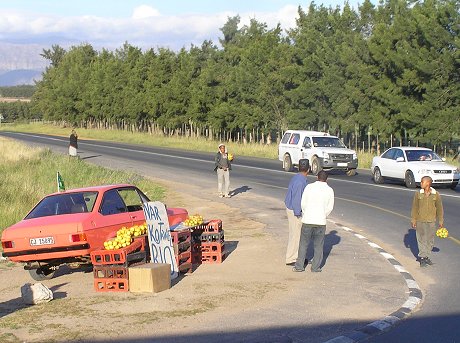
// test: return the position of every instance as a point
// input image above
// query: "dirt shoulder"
(253, 294)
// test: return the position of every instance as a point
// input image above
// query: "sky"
(143, 23)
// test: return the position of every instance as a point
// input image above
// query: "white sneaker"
(227, 195)
(221, 195)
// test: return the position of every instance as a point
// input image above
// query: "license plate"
(341, 164)
(41, 241)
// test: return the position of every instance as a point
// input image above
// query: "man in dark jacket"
(73, 145)
(223, 165)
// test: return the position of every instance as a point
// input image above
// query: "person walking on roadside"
(426, 210)
(294, 211)
(223, 165)
(73, 144)
(317, 203)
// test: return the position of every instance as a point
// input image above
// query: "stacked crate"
(110, 267)
(182, 244)
(208, 242)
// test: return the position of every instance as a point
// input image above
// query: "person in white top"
(317, 203)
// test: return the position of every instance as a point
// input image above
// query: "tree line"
(21, 91)
(14, 102)
(381, 73)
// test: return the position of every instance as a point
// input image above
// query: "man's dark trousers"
(316, 233)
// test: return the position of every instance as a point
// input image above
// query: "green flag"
(60, 183)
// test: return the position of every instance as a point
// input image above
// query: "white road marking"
(412, 284)
(400, 269)
(380, 324)
(385, 323)
(374, 245)
(387, 255)
(391, 319)
(411, 303)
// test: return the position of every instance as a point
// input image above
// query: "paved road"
(382, 211)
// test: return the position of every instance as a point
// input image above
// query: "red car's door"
(134, 200)
(110, 217)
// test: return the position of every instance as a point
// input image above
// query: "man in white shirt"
(317, 203)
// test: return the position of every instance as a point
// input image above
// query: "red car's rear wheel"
(41, 274)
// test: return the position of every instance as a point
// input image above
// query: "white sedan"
(410, 164)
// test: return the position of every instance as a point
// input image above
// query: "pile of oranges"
(194, 220)
(125, 237)
(442, 232)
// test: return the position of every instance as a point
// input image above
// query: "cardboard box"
(150, 277)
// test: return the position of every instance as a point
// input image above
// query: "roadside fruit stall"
(123, 263)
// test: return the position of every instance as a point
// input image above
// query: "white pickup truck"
(321, 149)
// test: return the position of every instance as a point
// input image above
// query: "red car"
(63, 228)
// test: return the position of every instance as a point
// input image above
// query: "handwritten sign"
(160, 242)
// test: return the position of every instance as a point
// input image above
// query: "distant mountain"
(20, 77)
(21, 56)
(21, 64)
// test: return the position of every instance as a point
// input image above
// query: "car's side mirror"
(400, 159)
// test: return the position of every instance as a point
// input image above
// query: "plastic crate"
(182, 247)
(186, 268)
(214, 225)
(217, 248)
(144, 240)
(181, 236)
(131, 253)
(196, 236)
(110, 272)
(111, 285)
(196, 257)
(208, 237)
(210, 258)
(196, 247)
(185, 257)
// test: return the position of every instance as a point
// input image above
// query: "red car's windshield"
(66, 203)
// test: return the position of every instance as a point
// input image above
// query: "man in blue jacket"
(294, 210)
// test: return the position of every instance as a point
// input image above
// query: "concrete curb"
(384, 324)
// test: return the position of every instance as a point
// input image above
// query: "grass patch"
(69, 336)
(453, 161)
(7, 265)
(365, 160)
(9, 338)
(105, 298)
(186, 143)
(152, 316)
(54, 326)
(59, 308)
(28, 174)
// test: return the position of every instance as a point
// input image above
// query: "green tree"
(54, 55)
